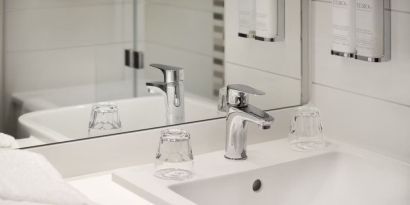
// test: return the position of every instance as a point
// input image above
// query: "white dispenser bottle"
(266, 20)
(246, 12)
(370, 30)
(343, 28)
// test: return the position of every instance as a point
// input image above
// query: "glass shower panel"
(64, 53)
(138, 46)
(113, 79)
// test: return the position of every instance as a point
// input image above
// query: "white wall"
(274, 68)
(367, 104)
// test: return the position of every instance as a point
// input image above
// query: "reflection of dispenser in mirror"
(172, 88)
(343, 28)
(246, 18)
(270, 20)
(373, 30)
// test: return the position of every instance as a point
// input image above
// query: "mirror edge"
(306, 80)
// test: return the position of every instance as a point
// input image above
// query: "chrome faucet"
(234, 99)
(172, 88)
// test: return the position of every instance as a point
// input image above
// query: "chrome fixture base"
(247, 35)
(242, 157)
(259, 38)
(369, 59)
(342, 54)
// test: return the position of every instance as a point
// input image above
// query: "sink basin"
(333, 178)
(70, 123)
(274, 174)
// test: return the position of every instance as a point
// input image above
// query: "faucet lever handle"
(236, 95)
(240, 88)
(171, 73)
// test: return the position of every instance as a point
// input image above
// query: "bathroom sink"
(274, 174)
(333, 178)
(67, 123)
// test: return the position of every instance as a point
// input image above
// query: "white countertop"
(103, 191)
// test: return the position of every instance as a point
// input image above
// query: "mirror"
(65, 68)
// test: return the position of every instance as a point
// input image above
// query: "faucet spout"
(172, 89)
(157, 87)
(237, 127)
(257, 116)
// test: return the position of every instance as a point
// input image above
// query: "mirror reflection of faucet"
(234, 99)
(172, 88)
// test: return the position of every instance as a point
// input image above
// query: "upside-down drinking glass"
(306, 129)
(104, 119)
(174, 159)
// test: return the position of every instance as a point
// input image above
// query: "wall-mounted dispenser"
(361, 29)
(263, 20)
(373, 30)
(343, 28)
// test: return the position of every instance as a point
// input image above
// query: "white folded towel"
(28, 177)
(7, 142)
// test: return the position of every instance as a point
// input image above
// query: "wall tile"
(64, 27)
(373, 124)
(400, 5)
(203, 5)
(179, 28)
(128, 21)
(109, 63)
(27, 71)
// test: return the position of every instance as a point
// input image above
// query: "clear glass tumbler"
(306, 131)
(104, 119)
(174, 159)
